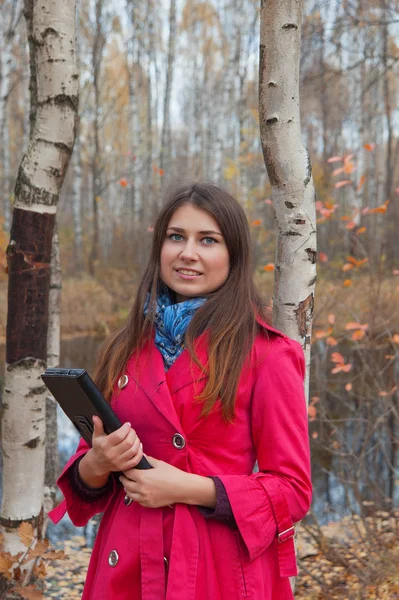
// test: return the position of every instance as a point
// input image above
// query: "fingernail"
(129, 423)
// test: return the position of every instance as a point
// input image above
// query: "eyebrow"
(205, 232)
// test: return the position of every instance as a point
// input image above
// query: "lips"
(190, 272)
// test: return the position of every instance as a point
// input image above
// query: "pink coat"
(206, 559)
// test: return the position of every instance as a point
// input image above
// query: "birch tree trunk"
(10, 15)
(164, 160)
(289, 170)
(40, 178)
(53, 360)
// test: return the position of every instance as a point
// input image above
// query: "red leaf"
(342, 183)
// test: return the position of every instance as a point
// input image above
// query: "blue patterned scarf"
(171, 323)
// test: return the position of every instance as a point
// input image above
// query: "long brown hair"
(229, 315)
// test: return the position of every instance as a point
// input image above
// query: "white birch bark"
(39, 181)
(164, 160)
(289, 170)
(53, 360)
(6, 33)
(76, 202)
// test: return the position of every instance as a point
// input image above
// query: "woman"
(207, 388)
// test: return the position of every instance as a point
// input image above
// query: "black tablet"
(80, 399)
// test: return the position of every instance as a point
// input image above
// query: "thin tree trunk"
(96, 161)
(39, 181)
(289, 170)
(53, 360)
(164, 160)
(77, 204)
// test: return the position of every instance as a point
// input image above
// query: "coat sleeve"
(80, 511)
(266, 504)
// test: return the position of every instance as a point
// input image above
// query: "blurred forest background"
(169, 91)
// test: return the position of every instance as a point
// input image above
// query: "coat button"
(123, 381)
(113, 558)
(178, 441)
(165, 560)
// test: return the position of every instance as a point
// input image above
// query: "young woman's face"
(194, 256)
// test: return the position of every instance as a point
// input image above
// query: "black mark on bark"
(289, 204)
(290, 26)
(33, 443)
(304, 314)
(312, 254)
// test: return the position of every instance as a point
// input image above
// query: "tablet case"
(80, 399)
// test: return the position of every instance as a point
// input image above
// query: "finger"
(116, 437)
(128, 484)
(131, 441)
(134, 461)
(131, 452)
(98, 427)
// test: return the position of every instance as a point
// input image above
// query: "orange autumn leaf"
(6, 563)
(347, 267)
(342, 183)
(331, 319)
(361, 183)
(348, 387)
(323, 257)
(349, 167)
(315, 435)
(352, 260)
(331, 341)
(256, 222)
(346, 368)
(347, 282)
(26, 533)
(345, 218)
(336, 357)
(334, 159)
(351, 225)
(380, 209)
(312, 412)
(338, 171)
(269, 267)
(395, 338)
(161, 172)
(358, 335)
(123, 182)
(361, 230)
(268, 201)
(348, 158)
(354, 325)
(369, 147)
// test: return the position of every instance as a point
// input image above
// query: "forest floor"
(348, 560)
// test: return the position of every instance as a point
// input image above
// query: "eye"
(175, 237)
(209, 241)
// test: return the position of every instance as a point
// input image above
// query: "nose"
(188, 252)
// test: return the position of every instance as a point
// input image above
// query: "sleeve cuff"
(222, 511)
(88, 494)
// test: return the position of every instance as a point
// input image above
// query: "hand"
(162, 485)
(120, 450)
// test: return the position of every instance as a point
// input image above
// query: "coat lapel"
(147, 370)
